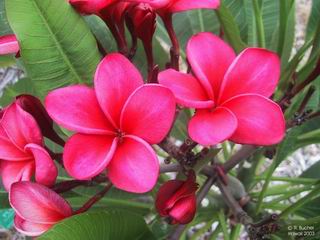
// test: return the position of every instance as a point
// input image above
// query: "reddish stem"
(93, 200)
(175, 49)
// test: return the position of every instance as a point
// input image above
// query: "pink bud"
(9, 45)
(143, 20)
(176, 199)
(34, 106)
(37, 208)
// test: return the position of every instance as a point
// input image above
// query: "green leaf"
(24, 85)
(230, 28)
(6, 218)
(57, 47)
(313, 19)
(288, 146)
(106, 225)
(312, 171)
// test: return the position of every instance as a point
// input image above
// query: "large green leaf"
(106, 225)
(57, 47)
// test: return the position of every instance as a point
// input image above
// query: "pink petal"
(20, 126)
(29, 228)
(209, 57)
(135, 166)
(187, 90)
(38, 204)
(156, 4)
(46, 170)
(76, 108)
(255, 71)
(12, 172)
(149, 113)
(90, 6)
(9, 45)
(184, 210)
(85, 156)
(116, 78)
(260, 120)
(9, 151)
(210, 128)
(184, 5)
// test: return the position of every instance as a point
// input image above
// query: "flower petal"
(115, 79)
(29, 228)
(135, 166)
(164, 194)
(90, 6)
(12, 172)
(260, 120)
(149, 113)
(184, 210)
(184, 5)
(38, 204)
(76, 108)
(85, 156)
(20, 126)
(209, 57)
(210, 128)
(187, 90)
(9, 45)
(9, 151)
(255, 71)
(46, 170)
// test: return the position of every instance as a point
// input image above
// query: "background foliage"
(58, 48)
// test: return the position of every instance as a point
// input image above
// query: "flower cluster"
(115, 123)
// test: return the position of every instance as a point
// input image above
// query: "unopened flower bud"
(176, 199)
(34, 106)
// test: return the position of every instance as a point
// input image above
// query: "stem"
(306, 99)
(239, 156)
(66, 186)
(234, 206)
(93, 200)
(175, 49)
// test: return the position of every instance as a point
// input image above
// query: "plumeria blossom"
(115, 123)
(37, 208)
(90, 6)
(176, 199)
(22, 151)
(173, 6)
(231, 94)
(9, 45)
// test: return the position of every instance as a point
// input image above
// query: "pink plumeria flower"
(231, 94)
(173, 6)
(90, 6)
(37, 208)
(22, 150)
(115, 123)
(9, 45)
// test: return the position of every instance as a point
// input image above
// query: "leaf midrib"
(57, 43)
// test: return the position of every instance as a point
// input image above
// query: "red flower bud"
(143, 20)
(176, 199)
(34, 106)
